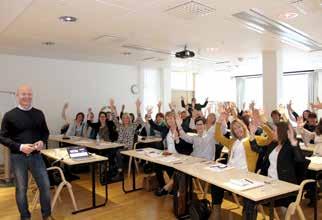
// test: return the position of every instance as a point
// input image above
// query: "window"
(249, 89)
(151, 93)
(295, 87)
(182, 81)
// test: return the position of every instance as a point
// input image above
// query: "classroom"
(160, 109)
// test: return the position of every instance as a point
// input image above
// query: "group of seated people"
(254, 143)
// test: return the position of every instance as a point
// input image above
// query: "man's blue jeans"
(35, 164)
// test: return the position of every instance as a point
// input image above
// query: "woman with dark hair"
(77, 127)
(103, 129)
(172, 144)
(308, 136)
(284, 159)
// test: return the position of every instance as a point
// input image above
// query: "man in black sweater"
(24, 131)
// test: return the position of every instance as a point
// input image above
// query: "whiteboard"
(7, 102)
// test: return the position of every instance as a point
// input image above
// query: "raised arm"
(182, 133)
(139, 119)
(205, 103)
(114, 114)
(159, 106)
(219, 137)
(306, 135)
(183, 105)
(63, 113)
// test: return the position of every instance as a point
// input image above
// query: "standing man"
(24, 131)
(193, 105)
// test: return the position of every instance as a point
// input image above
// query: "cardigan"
(251, 156)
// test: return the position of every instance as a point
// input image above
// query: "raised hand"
(178, 121)
(290, 135)
(66, 104)
(222, 118)
(123, 107)
(289, 105)
(252, 128)
(300, 122)
(138, 103)
(159, 104)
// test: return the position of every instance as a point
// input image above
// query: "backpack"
(200, 209)
(180, 198)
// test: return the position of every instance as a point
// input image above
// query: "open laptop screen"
(77, 152)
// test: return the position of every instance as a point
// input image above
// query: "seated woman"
(308, 136)
(204, 144)
(77, 127)
(241, 156)
(173, 144)
(284, 159)
(103, 129)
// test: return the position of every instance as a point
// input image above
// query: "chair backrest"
(293, 206)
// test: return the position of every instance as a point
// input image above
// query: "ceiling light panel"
(282, 30)
(190, 10)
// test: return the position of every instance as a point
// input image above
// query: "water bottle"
(97, 138)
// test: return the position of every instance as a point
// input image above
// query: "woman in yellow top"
(241, 155)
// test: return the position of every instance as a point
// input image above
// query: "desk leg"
(316, 196)
(133, 179)
(94, 206)
(271, 210)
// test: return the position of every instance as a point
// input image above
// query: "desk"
(86, 142)
(148, 139)
(309, 147)
(315, 166)
(62, 155)
(195, 167)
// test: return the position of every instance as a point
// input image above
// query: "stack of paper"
(243, 184)
(315, 159)
(218, 167)
(169, 159)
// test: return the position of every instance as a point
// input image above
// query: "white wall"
(82, 84)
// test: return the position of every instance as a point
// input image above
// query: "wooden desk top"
(196, 167)
(149, 139)
(86, 142)
(271, 188)
(61, 153)
(309, 147)
(316, 163)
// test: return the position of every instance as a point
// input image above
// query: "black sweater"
(23, 127)
(113, 135)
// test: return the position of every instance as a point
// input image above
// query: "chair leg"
(199, 186)
(59, 189)
(300, 213)
(71, 193)
(35, 201)
(129, 168)
(205, 191)
(59, 198)
(136, 166)
(236, 200)
(276, 215)
(261, 209)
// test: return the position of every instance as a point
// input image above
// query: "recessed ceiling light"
(68, 18)
(212, 49)
(288, 15)
(48, 43)
(126, 53)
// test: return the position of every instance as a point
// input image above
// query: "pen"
(249, 181)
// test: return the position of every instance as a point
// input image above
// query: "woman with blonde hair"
(241, 156)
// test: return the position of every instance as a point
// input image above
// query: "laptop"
(78, 153)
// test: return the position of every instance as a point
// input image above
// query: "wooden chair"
(293, 207)
(130, 163)
(58, 190)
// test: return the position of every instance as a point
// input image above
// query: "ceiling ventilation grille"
(190, 10)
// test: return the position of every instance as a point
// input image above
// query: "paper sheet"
(218, 168)
(315, 159)
(243, 184)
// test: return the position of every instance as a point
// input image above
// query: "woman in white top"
(308, 136)
(77, 127)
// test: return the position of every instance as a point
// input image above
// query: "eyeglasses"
(199, 124)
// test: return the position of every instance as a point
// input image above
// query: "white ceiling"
(25, 24)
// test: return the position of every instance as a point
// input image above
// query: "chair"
(294, 206)
(58, 190)
(130, 163)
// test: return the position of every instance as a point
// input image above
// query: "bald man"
(24, 131)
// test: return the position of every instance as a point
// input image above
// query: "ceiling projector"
(185, 54)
